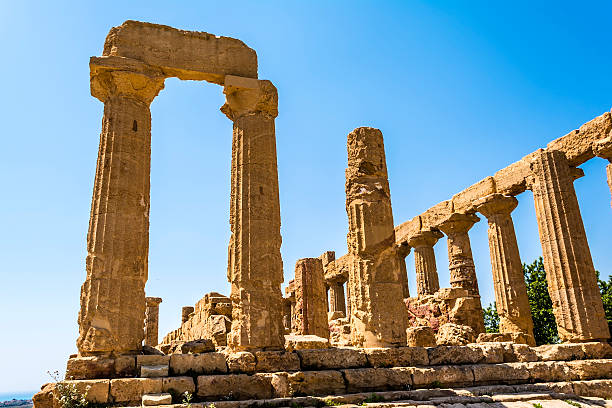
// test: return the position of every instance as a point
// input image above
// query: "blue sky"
(458, 91)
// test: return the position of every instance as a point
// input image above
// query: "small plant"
(187, 397)
(67, 394)
(537, 405)
(435, 384)
(211, 405)
(332, 403)
(574, 403)
(374, 398)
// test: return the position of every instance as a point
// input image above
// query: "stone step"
(149, 400)
(154, 371)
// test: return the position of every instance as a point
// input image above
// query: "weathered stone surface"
(443, 376)
(44, 398)
(151, 326)
(520, 338)
(272, 361)
(332, 358)
(193, 364)
(508, 278)
(234, 386)
(156, 399)
(131, 390)
(518, 353)
(590, 369)
(507, 373)
(425, 261)
(151, 360)
(241, 362)
(308, 342)
(81, 368)
(548, 371)
(600, 388)
(198, 346)
(397, 356)
(377, 379)
(420, 336)
(125, 366)
(147, 371)
(96, 391)
(178, 385)
(451, 334)
(378, 315)
(572, 283)
(257, 313)
(310, 310)
(472, 354)
(316, 383)
(185, 54)
(461, 263)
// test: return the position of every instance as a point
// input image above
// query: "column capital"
(137, 83)
(458, 223)
(425, 238)
(244, 96)
(603, 148)
(403, 249)
(495, 204)
(152, 301)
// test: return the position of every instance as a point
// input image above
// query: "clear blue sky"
(458, 92)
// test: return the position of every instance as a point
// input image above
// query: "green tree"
(491, 318)
(605, 287)
(544, 323)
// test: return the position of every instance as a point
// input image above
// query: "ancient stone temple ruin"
(349, 330)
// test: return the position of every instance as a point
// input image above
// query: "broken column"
(152, 321)
(185, 312)
(378, 313)
(508, 278)
(111, 318)
(255, 268)
(572, 282)
(427, 281)
(310, 303)
(461, 263)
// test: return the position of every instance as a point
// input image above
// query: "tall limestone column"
(152, 321)
(255, 268)
(570, 273)
(508, 278)
(461, 263)
(425, 261)
(310, 298)
(378, 313)
(111, 318)
(402, 252)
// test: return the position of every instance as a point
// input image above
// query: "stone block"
(518, 353)
(305, 342)
(125, 366)
(82, 368)
(332, 359)
(544, 371)
(451, 334)
(596, 350)
(396, 357)
(151, 371)
(560, 352)
(511, 179)
(596, 388)
(316, 383)
(234, 386)
(451, 293)
(420, 336)
(462, 201)
(45, 398)
(95, 391)
(241, 362)
(472, 354)
(178, 385)
(280, 384)
(151, 360)
(377, 379)
(198, 346)
(442, 376)
(194, 364)
(272, 361)
(131, 390)
(156, 399)
(590, 369)
(506, 373)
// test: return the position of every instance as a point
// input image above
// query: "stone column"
(287, 312)
(255, 268)
(310, 298)
(336, 298)
(571, 277)
(425, 261)
(402, 253)
(185, 312)
(378, 313)
(508, 278)
(461, 264)
(152, 321)
(111, 318)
